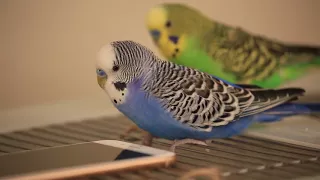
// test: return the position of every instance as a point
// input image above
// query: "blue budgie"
(179, 103)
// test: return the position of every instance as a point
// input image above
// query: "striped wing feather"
(203, 101)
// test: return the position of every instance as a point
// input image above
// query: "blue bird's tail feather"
(289, 109)
(313, 107)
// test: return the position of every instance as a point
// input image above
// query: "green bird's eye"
(168, 24)
(100, 72)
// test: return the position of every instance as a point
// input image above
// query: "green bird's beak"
(155, 34)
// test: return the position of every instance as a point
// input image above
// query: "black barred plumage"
(196, 98)
(193, 97)
(125, 53)
(252, 57)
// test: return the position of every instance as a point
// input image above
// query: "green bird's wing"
(256, 59)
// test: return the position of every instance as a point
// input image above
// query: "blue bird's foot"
(186, 141)
(146, 139)
(131, 129)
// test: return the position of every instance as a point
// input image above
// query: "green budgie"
(186, 36)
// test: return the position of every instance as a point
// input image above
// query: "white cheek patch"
(116, 95)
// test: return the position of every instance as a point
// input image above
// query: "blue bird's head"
(122, 62)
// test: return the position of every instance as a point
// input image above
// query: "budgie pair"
(183, 104)
(186, 36)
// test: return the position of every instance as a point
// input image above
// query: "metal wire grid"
(241, 157)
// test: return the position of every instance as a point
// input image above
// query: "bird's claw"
(127, 132)
(146, 139)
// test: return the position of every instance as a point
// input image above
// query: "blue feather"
(312, 107)
(148, 114)
(288, 109)
(279, 112)
(295, 109)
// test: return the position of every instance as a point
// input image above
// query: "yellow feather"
(156, 19)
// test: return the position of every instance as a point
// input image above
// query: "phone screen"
(62, 157)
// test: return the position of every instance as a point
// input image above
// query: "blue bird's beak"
(155, 34)
(101, 81)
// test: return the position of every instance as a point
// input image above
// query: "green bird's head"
(174, 27)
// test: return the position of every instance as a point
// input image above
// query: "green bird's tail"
(316, 61)
(300, 61)
(305, 50)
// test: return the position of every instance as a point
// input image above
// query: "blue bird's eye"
(100, 72)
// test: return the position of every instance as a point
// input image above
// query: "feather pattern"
(176, 102)
(203, 101)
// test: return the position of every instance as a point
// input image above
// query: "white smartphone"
(80, 159)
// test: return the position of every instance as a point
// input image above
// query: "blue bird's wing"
(147, 112)
(162, 119)
(203, 101)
